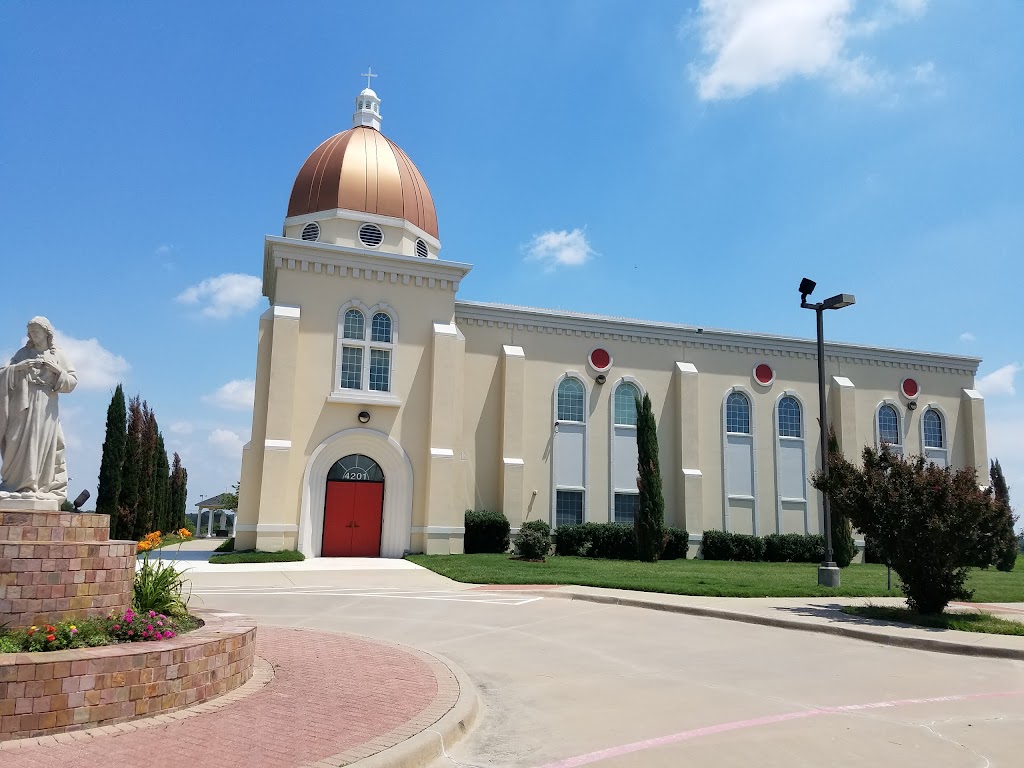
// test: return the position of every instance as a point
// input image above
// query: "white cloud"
(225, 295)
(227, 443)
(559, 249)
(237, 395)
(98, 368)
(1000, 381)
(752, 44)
(967, 337)
(181, 428)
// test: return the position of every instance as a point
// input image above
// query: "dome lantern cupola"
(367, 106)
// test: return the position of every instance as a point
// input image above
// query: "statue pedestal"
(15, 503)
(57, 566)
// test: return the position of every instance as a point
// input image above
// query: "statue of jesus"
(31, 440)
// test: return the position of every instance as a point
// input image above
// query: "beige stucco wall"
(472, 401)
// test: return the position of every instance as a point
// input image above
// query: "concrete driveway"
(567, 683)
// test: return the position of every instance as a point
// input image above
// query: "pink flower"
(149, 627)
(117, 627)
(152, 613)
(168, 634)
(130, 633)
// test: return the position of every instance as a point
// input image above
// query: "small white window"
(568, 507)
(365, 363)
(311, 231)
(571, 401)
(421, 249)
(626, 396)
(889, 426)
(933, 433)
(370, 235)
(626, 507)
(737, 414)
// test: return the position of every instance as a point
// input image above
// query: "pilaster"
(842, 408)
(445, 426)
(512, 470)
(690, 479)
(971, 431)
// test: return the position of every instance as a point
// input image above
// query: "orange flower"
(143, 546)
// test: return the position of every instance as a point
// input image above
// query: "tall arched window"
(569, 452)
(739, 504)
(625, 498)
(365, 363)
(790, 467)
(889, 428)
(934, 437)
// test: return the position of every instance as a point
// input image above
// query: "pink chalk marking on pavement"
(711, 730)
(990, 606)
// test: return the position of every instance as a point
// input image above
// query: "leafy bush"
(133, 626)
(676, 544)
(611, 541)
(540, 526)
(160, 587)
(931, 522)
(794, 548)
(747, 548)
(571, 540)
(486, 531)
(531, 544)
(226, 546)
(716, 545)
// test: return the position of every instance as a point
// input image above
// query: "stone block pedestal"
(57, 566)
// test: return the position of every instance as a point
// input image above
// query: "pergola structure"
(212, 506)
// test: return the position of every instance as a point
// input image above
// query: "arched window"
(626, 395)
(790, 420)
(354, 350)
(625, 498)
(571, 401)
(739, 513)
(933, 436)
(569, 452)
(737, 414)
(889, 427)
(790, 468)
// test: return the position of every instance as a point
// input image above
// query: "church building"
(386, 405)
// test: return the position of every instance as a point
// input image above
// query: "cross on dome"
(367, 105)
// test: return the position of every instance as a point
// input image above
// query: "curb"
(917, 643)
(432, 744)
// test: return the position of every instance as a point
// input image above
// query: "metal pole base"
(828, 575)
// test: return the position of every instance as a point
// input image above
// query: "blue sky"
(687, 162)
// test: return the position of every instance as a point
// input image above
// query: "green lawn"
(255, 556)
(700, 577)
(966, 622)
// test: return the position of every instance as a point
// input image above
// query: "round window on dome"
(311, 231)
(370, 235)
(421, 249)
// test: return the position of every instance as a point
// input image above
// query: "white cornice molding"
(373, 218)
(357, 263)
(549, 321)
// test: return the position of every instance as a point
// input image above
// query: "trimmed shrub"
(531, 544)
(746, 548)
(571, 540)
(716, 545)
(794, 548)
(676, 544)
(486, 531)
(226, 546)
(540, 526)
(611, 541)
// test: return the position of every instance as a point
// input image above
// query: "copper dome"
(361, 170)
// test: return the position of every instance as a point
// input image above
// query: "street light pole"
(828, 571)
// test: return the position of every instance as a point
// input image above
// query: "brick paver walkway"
(332, 696)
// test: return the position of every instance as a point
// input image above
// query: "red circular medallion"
(910, 388)
(600, 359)
(764, 374)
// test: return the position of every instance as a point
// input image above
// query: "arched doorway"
(353, 508)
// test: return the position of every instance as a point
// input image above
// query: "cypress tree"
(1006, 555)
(649, 525)
(178, 492)
(843, 547)
(112, 461)
(147, 462)
(161, 487)
(131, 471)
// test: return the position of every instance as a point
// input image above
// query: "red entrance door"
(352, 519)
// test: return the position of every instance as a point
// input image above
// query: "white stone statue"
(31, 440)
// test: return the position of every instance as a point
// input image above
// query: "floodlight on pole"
(828, 571)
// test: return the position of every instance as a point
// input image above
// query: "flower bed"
(53, 692)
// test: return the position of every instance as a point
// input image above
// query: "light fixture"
(601, 378)
(364, 416)
(828, 572)
(911, 405)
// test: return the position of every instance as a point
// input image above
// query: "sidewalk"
(817, 614)
(325, 699)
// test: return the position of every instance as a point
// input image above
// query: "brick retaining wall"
(59, 691)
(57, 566)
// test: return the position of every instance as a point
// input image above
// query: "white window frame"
(612, 490)
(753, 460)
(586, 443)
(945, 432)
(344, 393)
(779, 438)
(901, 420)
